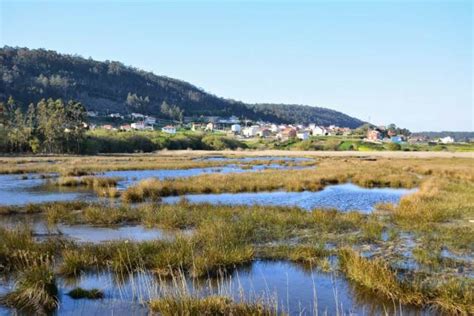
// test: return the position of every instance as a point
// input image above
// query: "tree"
(137, 103)
(74, 126)
(172, 111)
(18, 133)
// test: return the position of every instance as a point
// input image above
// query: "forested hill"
(106, 87)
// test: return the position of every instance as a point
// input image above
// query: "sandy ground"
(382, 154)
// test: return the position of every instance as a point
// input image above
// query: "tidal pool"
(344, 197)
(294, 289)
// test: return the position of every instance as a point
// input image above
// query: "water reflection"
(343, 197)
(286, 285)
(31, 188)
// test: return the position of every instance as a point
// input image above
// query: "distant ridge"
(455, 135)
(31, 74)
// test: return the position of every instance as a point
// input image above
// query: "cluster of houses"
(289, 131)
(247, 129)
(141, 121)
(267, 130)
(381, 134)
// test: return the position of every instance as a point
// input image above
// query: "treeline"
(53, 126)
(101, 141)
(50, 126)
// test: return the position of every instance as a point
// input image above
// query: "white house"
(169, 129)
(116, 115)
(92, 114)
(210, 127)
(446, 140)
(320, 131)
(137, 116)
(274, 128)
(303, 135)
(236, 128)
(138, 125)
(250, 131)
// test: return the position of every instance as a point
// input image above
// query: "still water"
(15, 190)
(291, 288)
(344, 197)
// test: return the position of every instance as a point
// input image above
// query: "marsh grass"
(40, 208)
(313, 256)
(377, 276)
(452, 296)
(74, 166)
(107, 192)
(225, 237)
(35, 291)
(19, 250)
(381, 174)
(211, 305)
(91, 182)
(146, 189)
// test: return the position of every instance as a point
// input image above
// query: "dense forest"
(31, 75)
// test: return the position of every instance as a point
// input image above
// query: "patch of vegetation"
(211, 305)
(364, 173)
(35, 292)
(92, 294)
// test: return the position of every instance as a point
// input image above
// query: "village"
(246, 129)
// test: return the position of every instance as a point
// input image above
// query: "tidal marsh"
(368, 250)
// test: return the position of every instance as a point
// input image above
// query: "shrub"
(393, 146)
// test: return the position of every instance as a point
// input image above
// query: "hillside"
(29, 75)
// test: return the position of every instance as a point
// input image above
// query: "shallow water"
(16, 191)
(293, 289)
(344, 197)
(88, 233)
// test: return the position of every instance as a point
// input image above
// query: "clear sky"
(406, 62)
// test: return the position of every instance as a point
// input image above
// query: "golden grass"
(452, 296)
(364, 173)
(35, 291)
(211, 305)
(377, 276)
(86, 165)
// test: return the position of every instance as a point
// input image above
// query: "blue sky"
(407, 62)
